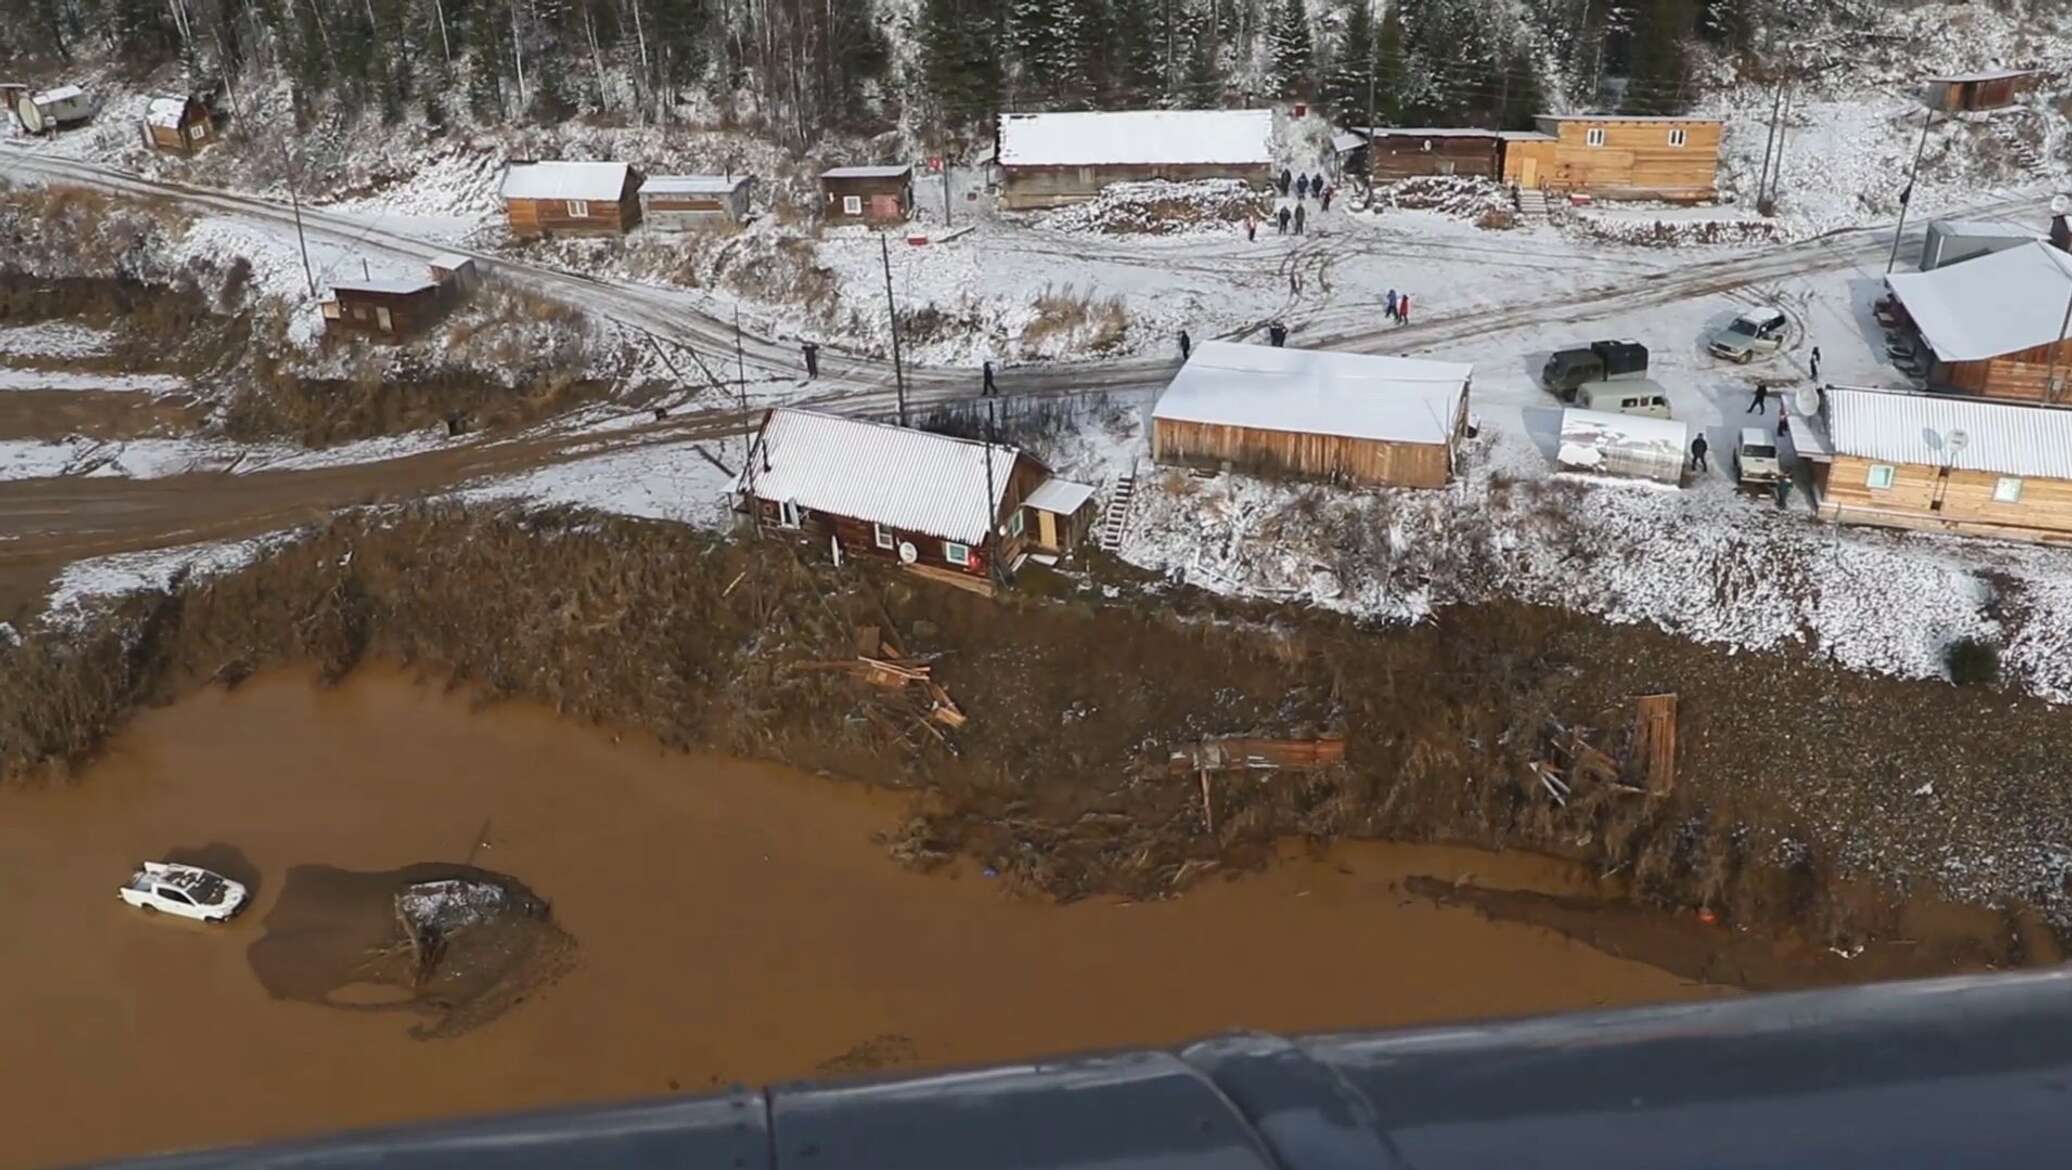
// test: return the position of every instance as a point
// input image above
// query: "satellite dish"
(1956, 441)
(1807, 399)
(908, 554)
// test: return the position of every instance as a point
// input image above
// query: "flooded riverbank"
(733, 922)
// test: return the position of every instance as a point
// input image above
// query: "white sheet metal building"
(1047, 160)
(1627, 446)
(1357, 418)
(679, 203)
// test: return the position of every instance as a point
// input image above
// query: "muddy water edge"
(732, 922)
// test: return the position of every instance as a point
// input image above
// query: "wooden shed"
(1357, 418)
(1992, 322)
(1403, 152)
(1992, 89)
(1932, 461)
(873, 195)
(1047, 160)
(571, 198)
(392, 309)
(679, 203)
(930, 502)
(1618, 156)
(1953, 241)
(180, 125)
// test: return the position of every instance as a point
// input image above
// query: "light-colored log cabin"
(571, 198)
(1617, 156)
(1992, 322)
(1355, 418)
(1048, 160)
(1943, 463)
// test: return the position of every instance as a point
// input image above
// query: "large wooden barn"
(918, 499)
(1403, 152)
(1617, 156)
(571, 198)
(1356, 418)
(1047, 160)
(1933, 461)
(1991, 89)
(1991, 322)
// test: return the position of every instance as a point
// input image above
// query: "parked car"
(1600, 361)
(1625, 396)
(1756, 333)
(1756, 460)
(186, 890)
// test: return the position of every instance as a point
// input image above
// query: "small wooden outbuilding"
(50, 110)
(1617, 156)
(393, 309)
(931, 502)
(1992, 89)
(571, 198)
(1403, 152)
(678, 203)
(1953, 241)
(872, 195)
(1321, 414)
(1934, 461)
(1992, 322)
(1048, 160)
(181, 125)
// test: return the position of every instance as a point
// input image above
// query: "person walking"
(1760, 403)
(1298, 219)
(1698, 448)
(1251, 229)
(1286, 179)
(1282, 215)
(1816, 363)
(1783, 423)
(1186, 346)
(812, 351)
(1389, 306)
(1325, 199)
(988, 390)
(1294, 282)
(1302, 188)
(1277, 334)
(1403, 309)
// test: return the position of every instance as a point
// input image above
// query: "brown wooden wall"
(408, 312)
(1402, 156)
(1636, 159)
(859, 538)
(1024, 188)
(879, 198)
(1513, 155)
(534, 217)
(1311, 456)
(2021, 376)
(1966, 497)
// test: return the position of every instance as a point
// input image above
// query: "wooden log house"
(935, 503)
(1355, 418)
(1402, 152)
(1993, 322)
(571, 198)
(393, 308)
(178, 125)
(1617, 156)
(1048, 160)
(1990, 89)
(869, 195)
(680, 203)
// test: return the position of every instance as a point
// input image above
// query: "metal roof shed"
(1361, 418)
(1999, 304)
(1595, 442)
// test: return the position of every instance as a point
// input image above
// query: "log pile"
(1569, 762)
(880, 663)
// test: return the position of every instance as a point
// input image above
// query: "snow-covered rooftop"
(892, 171)
(692, 184)
(1361, 396)
(1434, 132)
(1625, 430)
(1137, 137)
(908, 480)
(1988, 75)
(1991, 305)
(1968, 434)
(450, 261)
(1683, 118)
(1345, 142)
(165, 111)
(1062, 496)
(1983, 227)
(602, 182)
(399, 285)
(63, 93)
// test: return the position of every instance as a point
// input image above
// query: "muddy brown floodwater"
(732, 922)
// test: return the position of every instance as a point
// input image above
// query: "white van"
(1624, 396)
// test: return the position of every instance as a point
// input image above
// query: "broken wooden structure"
(1246, 753)
(1569, 762)
(880, 663)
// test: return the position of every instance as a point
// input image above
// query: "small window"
(198, 131)
(956, 554)
(174, 896)
(1594, 136)
(1881, 476)
(881, 536)
(852, 205)
(788, 514)
(1678, 137)
(2007, 490)
(1015, 523)
(578, 209)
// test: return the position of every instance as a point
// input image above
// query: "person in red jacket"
(1403, 309)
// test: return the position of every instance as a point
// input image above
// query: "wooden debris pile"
(1245, 753)
(1568, 762)
(880, 662)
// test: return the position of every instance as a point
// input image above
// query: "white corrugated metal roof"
(2004, 438)
(165, 111)
(450, 261)
(601, 182)
(407, 284)
(905, 479)
(1345, 142)
(1434, 132)
(885, 172)
(691, 184)
(1988, 75)
(1138, 137)
(1683, 118)
(1587, 433)
(1991, 228)
(1991, 305)
(1062, 496)
(1314, 391)
(63, 93)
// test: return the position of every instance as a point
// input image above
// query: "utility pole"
(1783, 129)
(892, 319)
(740, 369)
(991, 545)
(1762, 180)
(2050, 380)
(295, 201)
(1906, 196)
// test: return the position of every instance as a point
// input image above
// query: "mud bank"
(737, 921)
(1797, 808)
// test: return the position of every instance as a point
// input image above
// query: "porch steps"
(1531, 201)
(1115, 518)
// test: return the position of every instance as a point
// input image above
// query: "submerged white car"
(186, 890)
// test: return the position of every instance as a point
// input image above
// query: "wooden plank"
(1654, 740)
(980, 585)
(868, 641)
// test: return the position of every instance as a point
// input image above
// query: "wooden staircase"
(1531, 201)
(1115, 518)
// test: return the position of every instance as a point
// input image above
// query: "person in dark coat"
(1816, 363)
(1302, 187)
(1298, 219)
(1294, 283)
(1186, 346)
(1277, 334)
(1760, 403)
(1282, 215)
(812, 352)
(1388, 307)
(1324, 200)
(1698, 447)
(1286, 179)
(989, 389)
(1251, 229)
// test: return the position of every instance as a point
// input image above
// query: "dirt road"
(732, 922)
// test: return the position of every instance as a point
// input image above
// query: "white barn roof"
(165, 111)
(2004, 438)
(1589, 436)
(692, 184)
(601, 182)
(905, 479)
(63, 93)
(2001, 303)
(1988, 75)
(1061, 496)
(401, 285)
(892, 171)
(1314, 391)
(1137, 137)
